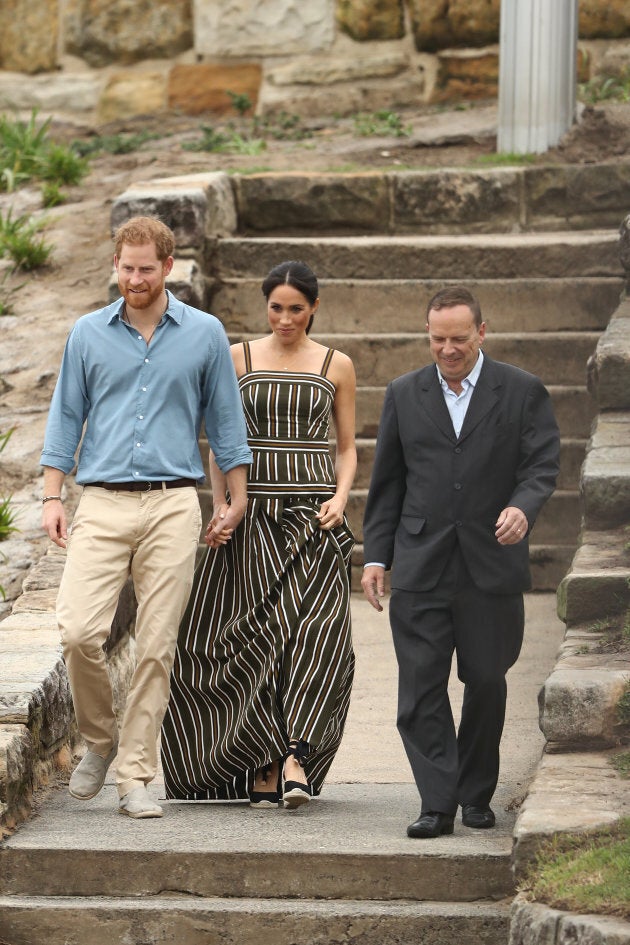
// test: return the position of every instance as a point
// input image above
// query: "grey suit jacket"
(431, 489)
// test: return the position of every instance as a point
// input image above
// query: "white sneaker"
(138, 804)
(89, 775)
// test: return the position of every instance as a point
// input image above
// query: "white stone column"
(537, 73)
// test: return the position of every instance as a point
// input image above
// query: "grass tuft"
(621, 763)
(27, 153)
(19, 240)
(585, 873)
(380, 124)
(606, 88)
(7, 514)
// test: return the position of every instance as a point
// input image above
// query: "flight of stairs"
(545, 297)
(339, 873)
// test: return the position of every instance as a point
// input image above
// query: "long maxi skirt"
(264, 654)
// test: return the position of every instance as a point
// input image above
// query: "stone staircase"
(210, 873)
(538, 245)
(545, 297)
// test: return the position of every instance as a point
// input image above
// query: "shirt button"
(140, 417)
(146, 360)
(144, 388)
(138, 444)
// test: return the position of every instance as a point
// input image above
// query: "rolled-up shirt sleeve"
(224, 419)
(68, 409)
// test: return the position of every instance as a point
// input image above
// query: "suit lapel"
(484, 398)
(432, 402)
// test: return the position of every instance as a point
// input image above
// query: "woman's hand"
(331, 512)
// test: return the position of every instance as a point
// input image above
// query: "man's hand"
(54, 522)
(511, 526)
(373, 584)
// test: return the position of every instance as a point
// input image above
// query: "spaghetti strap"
(327, 360)
(248, 357)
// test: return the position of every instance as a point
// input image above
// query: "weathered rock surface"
(437, 25)
(371, 19)
(103, 32)
(243, 28)
(29, 33)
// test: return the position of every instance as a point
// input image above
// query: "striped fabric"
(265, 650)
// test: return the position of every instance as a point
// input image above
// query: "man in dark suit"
(466, 456)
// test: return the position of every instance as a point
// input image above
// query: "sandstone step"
(573, 406)
(350, 843)
(556, 357)
(495, 256)
(198, 921)
(571, 459)
(206, 872)
(375, 305)
(559, 520)
(598, 586)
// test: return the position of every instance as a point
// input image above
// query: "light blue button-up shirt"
(457, 404)
(139, 407)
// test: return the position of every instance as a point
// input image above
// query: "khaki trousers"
(152, 536)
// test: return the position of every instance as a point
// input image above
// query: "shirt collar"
(174, 309)
(470, 379)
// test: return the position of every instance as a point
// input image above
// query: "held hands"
(331, 513)
(54, 522)
(511, 526)
(373, 584)
(222, 524)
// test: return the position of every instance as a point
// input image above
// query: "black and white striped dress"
(265, 649)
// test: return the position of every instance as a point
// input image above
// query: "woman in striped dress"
(261, 682)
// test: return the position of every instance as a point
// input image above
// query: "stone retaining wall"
(37, 725)
(106, 60)
(575, 788)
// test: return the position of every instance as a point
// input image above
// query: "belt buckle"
(149, 486)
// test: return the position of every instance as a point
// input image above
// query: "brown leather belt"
(145, 486)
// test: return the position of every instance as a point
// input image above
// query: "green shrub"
(27, 153)
(7, 514)
(20, 242)
(7, 292)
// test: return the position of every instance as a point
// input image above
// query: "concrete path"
(369, 798)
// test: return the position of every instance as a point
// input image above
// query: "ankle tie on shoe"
(295, 793)
(300, 751)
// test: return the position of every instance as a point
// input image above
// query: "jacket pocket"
(412, 523)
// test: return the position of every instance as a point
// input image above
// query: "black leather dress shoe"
(431, 824)
(479, 817)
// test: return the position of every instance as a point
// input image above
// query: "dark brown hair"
(455, 295)
(299, 276)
